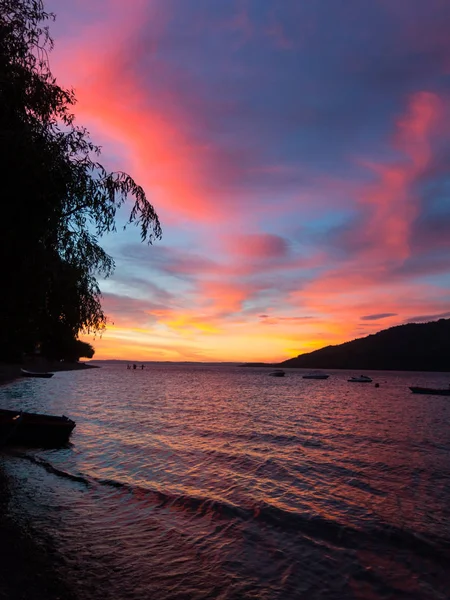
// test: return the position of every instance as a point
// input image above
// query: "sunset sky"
(297, 153)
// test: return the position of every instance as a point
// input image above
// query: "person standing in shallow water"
(134, 367)
(142, 367)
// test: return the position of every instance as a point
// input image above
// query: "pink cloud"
(223, 297)
(163, 155)
(124, 311)
(392, 200)
(257, 246)
(381, 240)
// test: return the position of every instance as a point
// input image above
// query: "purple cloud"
(427, 318)
(378, 316)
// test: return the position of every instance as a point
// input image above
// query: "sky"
(297, 154)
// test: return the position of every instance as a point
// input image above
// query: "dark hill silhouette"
(411, 347)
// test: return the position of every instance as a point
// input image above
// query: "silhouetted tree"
(56, 198)
(61, 345)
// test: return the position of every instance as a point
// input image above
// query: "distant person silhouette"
(142, 367)
(134, 367)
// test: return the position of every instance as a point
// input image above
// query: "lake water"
(189, 482)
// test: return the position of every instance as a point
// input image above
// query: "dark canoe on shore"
(432, 391)
(26, 373)
(32, 429)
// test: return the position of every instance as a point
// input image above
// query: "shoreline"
(25, 572)
(11, 372)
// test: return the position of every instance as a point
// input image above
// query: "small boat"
(431, 391)
(315, 376)
(26, 373)
(277, 373)
(360, 379)
(33, 429)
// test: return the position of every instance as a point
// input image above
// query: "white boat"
(26, 373)
(360, 379)
(315, 376)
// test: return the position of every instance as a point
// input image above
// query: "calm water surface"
(221, 482)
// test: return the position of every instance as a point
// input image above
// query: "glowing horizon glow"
(298, 157)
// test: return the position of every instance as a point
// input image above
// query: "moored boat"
(33, 429)
(277, 373)
(315, 376)
(431, 391)
(360, 379)
(26, 373)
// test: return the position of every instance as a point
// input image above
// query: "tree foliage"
(57, 200)
(63, 346)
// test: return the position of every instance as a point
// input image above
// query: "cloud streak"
(378, 316)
